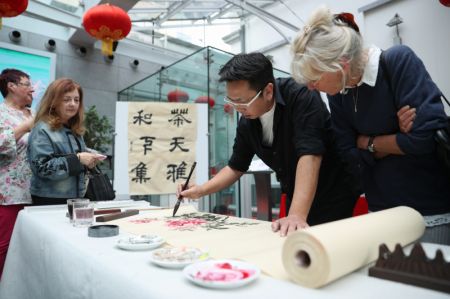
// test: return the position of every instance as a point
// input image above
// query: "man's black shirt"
(301, 126)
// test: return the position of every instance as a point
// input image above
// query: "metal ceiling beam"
(276, 28)
(124, 4)
(137, 11)
(260, 12)
(44, 12)
(208, 1)
(262, 17)
(273, 46)
(146, 28)
(173, 10)
(192, 20)
(220, 13)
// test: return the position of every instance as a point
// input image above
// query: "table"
(48, 258)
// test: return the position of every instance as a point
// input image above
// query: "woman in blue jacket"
(57, 152)
(366, 89)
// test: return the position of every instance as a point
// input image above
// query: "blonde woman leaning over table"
(370, 93)
(16, 121)
(57, 153)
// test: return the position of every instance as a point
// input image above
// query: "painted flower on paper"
(143, 220)
(185, 224)
(192, 221)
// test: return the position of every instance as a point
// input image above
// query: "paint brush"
(180, 198)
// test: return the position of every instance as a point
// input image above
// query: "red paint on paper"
(185, 223)
(143, 220)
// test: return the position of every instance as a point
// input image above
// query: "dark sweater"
(415, 179)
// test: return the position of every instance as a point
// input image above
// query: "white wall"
(425, 29)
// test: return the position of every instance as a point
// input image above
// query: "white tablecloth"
(49, 258)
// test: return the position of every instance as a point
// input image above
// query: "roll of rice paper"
(320, 254)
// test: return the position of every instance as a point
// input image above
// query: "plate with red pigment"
(221, 274)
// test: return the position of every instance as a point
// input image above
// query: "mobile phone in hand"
(100, 157)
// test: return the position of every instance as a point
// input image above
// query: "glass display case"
(195, 79)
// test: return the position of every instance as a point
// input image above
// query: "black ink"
(176, 172)
(148, 142)
(146, 118)
(140, 172)
(178, 119)
(177, 142)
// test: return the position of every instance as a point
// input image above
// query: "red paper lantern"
(206, 99)
(12, 8)
(445, 2)
(176, 96)
(107, 23)
(227, 108)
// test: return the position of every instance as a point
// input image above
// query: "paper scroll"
(222, 236)
(323, 253)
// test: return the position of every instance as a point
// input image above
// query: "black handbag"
(442, 138)
(99, 187)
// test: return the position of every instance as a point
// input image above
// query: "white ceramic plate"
(177, 257)
(141, 242)
(221, 274)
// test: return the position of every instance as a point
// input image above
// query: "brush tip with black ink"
(177, 205)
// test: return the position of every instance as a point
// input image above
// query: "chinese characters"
(162, 139)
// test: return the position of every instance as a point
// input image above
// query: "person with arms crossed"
(385, 109)
(288, 127)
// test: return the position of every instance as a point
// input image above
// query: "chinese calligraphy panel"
(162, 145)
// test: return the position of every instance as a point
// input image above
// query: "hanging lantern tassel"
(107, 47)
(0, 23)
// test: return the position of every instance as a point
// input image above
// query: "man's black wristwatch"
(370, 146)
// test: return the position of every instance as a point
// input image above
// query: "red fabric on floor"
(8, 215)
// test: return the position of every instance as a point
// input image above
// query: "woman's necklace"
(355, 98)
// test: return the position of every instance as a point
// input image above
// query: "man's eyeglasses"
(26, 84)
(241, 105)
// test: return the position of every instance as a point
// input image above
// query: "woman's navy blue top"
(416, 179)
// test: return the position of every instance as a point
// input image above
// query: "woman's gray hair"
(322, 45)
